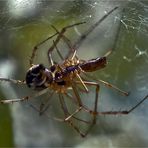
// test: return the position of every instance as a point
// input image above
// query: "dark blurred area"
(24, 23)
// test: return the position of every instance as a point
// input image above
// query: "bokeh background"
(25, 23)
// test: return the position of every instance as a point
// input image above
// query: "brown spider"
(68, 75)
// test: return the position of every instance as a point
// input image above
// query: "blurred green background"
(25, 23)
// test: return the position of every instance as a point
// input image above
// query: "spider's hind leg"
(94, 111)
(68, 116)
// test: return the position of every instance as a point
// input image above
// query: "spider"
(67, 76)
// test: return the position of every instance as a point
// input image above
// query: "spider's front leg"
(60, 36)
(24, 98)
(36, 48)
(78, 43)
(68, 116)
(66, 40)
(93, 122)
(12, 80)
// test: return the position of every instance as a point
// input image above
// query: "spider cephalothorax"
(37, 75)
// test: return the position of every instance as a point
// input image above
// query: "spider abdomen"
(93, 64)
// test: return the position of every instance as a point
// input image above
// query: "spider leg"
(83, 36)
(124, 112)
(61, 120)
(42, 110)
(108, 85)
(60, 34)
(72, 49)
(80, 40)
(65, 109)
(54, 118)
(13, 80)
(83, 84)
(50, 57)
(95, 105)
(114, 87)
(36, 48)
(75, 102)
(59, 53)
(63, 105)
(76, 45)
(75, 91)
(95, 112)
(44, 106)
(66, 40)
(24, 98)
(67, 117)
(51, 60)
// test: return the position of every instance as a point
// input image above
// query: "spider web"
(25, 23)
